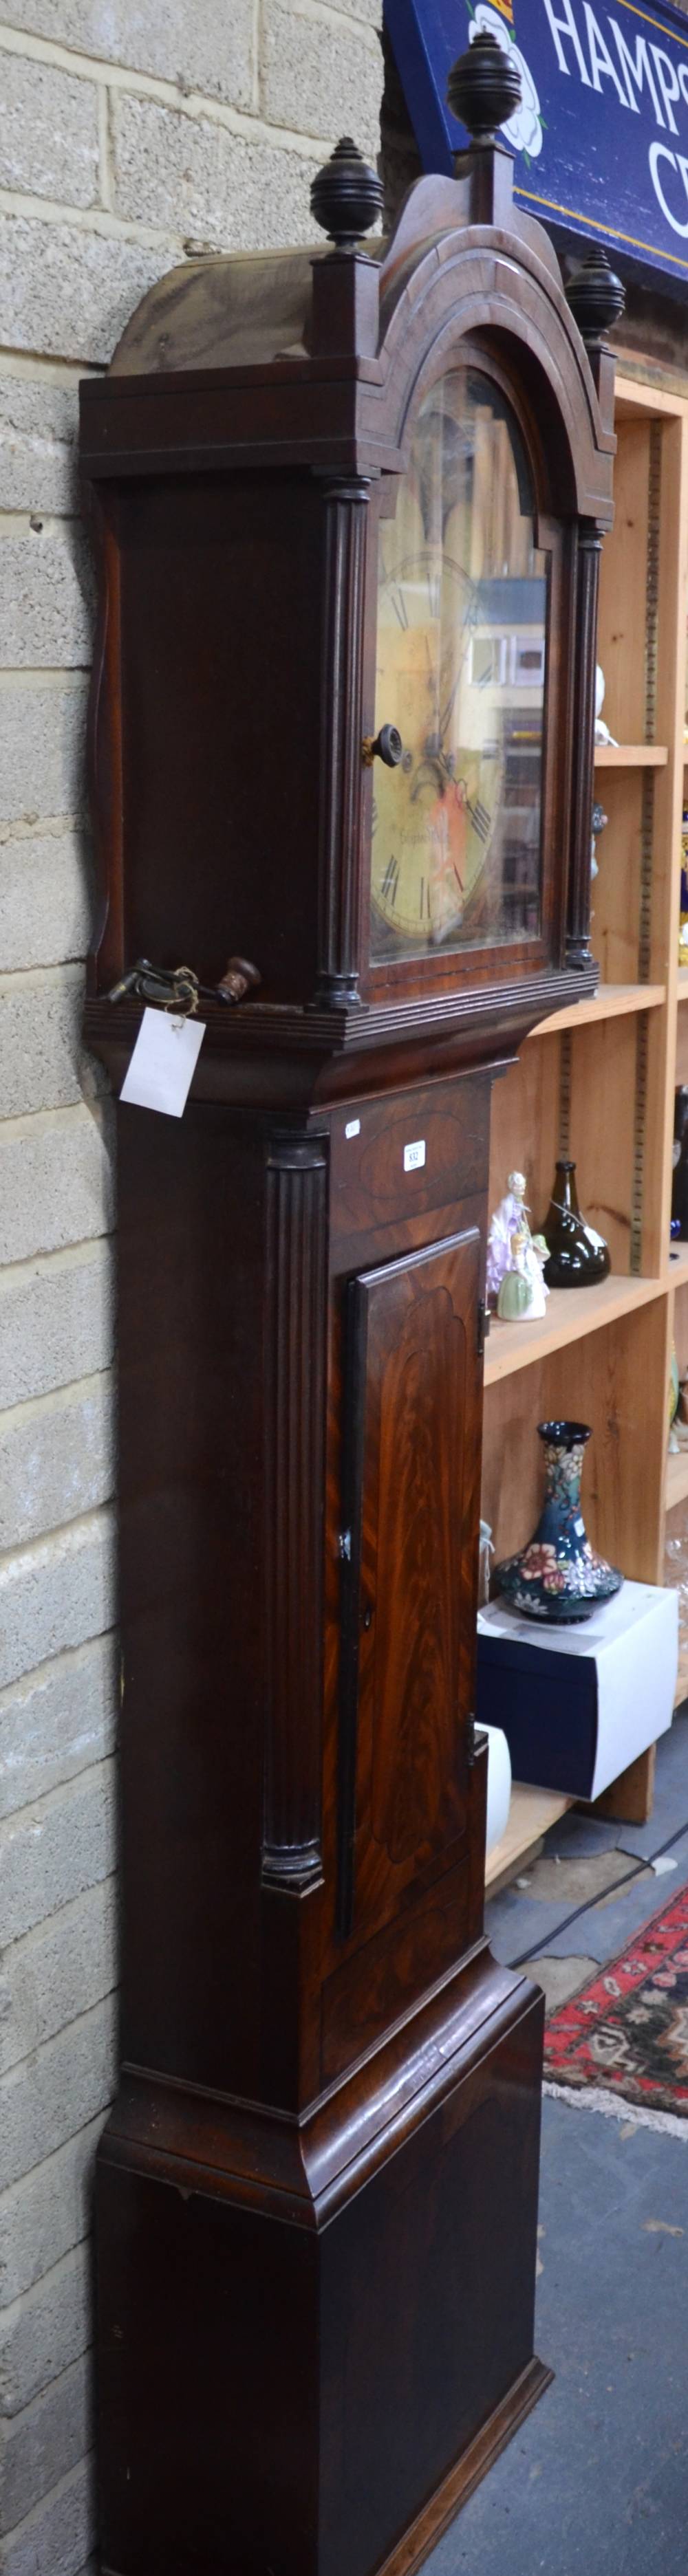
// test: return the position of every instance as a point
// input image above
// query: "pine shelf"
(631, 755)
(531, 1813)
(572, 1314)
(610, 1002)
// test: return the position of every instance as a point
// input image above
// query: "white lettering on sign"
(668, 83)
(582, 50)
(637, 69)
(660, 152)
(600, 58)
(566, 26)
(353, 1128)
(414, 1156)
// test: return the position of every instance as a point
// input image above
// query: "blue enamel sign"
(601, 136)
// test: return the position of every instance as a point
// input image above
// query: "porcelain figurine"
(599, 819)
(515, 1258)
(559, 1576)
(602, 733)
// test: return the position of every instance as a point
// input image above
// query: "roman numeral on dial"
(481, 820)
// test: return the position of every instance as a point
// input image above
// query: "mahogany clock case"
(236, 509)
(317, 2190)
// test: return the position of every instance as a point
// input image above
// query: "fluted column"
(578, 951)
(294, 1505)
(346, 503)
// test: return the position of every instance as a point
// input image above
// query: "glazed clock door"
(413, 1396)
(463, 611)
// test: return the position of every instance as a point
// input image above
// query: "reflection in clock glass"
(461, 656)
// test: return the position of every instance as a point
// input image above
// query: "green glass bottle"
(679, 1184)
(578, 1256)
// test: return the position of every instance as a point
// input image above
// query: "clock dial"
(460, 669)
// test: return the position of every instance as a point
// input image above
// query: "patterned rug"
(628, 2030)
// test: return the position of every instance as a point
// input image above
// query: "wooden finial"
(595, 296)
(346, 197)
(483, 88)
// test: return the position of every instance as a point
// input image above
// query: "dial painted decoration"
(461, 667)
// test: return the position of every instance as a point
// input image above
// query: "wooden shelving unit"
(570, 1317)
(610, 1003)
(597, 1082)
(631, 755)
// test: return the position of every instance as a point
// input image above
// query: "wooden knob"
(239, 978)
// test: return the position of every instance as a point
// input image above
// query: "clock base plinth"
(315, 2336)
(434, 2519)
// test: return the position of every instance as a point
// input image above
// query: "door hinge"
(470, 1740)
(344, 1546)
(483, 1326)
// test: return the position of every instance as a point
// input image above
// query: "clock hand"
(430, 773)
(433, 679)
(444, 718)
(470, 619)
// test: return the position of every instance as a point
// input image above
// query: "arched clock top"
(251, 445)
(465, 286)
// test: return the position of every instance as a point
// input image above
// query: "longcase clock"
(348, 508)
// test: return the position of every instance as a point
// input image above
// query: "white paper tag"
(163, 1063)
(414, 1156)
(353, 1128)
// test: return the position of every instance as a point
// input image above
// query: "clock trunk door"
(409, 1581)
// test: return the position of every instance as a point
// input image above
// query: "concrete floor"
(596, 2483)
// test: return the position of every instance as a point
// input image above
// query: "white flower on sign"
(524, 128)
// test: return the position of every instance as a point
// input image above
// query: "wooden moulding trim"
(468, 2471)
(286, 1029)
(572, 1313)
(305, 2167)
(483, 254)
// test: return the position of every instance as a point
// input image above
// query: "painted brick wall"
(130, 131)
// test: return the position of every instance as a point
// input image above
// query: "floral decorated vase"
(559, 1576)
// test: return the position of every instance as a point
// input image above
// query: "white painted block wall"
(130, 131)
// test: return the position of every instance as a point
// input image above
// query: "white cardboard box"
(578, 1704)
